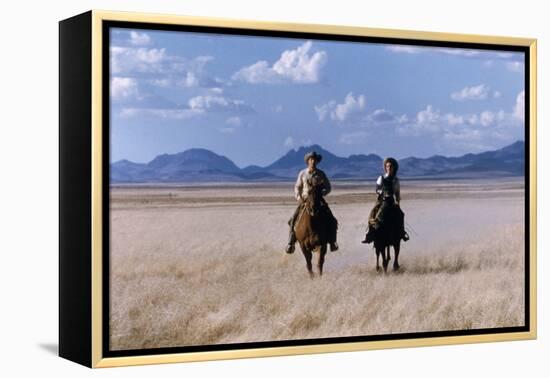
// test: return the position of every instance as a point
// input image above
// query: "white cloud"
(463, 132)
(216, 90)
(428, 116)
(163, 83)
(505, 55)
(139, 39)
(259, 72)
(234, 121)
(453, 119)
(163, 69)
(515, 66)
(478, 92)
(519, 108)
(218, 104)
(294, 66)
(159, 107)
(177, 114)
(190, 80)
(427, 121)
(382, 115)
(487, 58)
(405, 49)
(128, 59)
(497, 94)
(351, 108)
(487, 118)
(455, 51)
(402, 119)
(324, 110)
(385, 117)
(123, 88)
(289, 142)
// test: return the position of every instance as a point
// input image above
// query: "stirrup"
(334, 247)
(405, 236)
(290, 248)
(369, 236)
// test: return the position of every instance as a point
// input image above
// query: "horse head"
(313, 201)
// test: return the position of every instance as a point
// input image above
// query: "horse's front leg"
(321, 261)
(308, 255)
(396, 249)
(385, 258)
(377, 259)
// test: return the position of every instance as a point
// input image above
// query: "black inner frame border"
(107, 25)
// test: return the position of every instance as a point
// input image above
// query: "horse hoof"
(395, 268)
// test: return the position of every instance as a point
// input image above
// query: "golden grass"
(194, 276)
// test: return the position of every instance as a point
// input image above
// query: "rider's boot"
(369, 237)
(291, 241)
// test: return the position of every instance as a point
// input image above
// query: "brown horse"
(315, 228)
(389, 235)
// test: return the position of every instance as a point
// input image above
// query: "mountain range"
(201, 165)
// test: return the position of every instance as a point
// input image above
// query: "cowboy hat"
(313, 155)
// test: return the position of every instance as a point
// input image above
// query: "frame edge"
(75, 83)
(310, 28)
(98, 16)
(96, 189)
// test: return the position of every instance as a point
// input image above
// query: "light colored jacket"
(396, 187)
(303, 183)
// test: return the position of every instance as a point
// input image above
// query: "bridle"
(312, 202)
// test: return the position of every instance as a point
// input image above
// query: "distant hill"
(201, 165)
(507, 161)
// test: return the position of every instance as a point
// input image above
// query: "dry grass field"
(205, 264)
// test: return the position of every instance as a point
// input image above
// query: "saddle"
(393, 211)
(326, 213)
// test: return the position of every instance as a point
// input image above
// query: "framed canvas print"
(235, 189)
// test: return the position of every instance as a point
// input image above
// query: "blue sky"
(254, 98)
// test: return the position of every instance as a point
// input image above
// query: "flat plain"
(205, 264)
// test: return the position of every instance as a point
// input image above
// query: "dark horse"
(315, 228)
(389, 235)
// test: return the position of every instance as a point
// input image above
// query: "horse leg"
(385, 259)
(377, 259)
(321, 261)
(396, 248)
(307, 254)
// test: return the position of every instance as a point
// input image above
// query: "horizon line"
(296, 149)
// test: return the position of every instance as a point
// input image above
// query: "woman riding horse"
(389, 196)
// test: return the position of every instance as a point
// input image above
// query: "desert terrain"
(205, 264)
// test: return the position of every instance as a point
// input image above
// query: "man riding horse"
(389, 196)
(311, 178)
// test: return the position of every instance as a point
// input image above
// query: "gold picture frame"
(83, 99)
